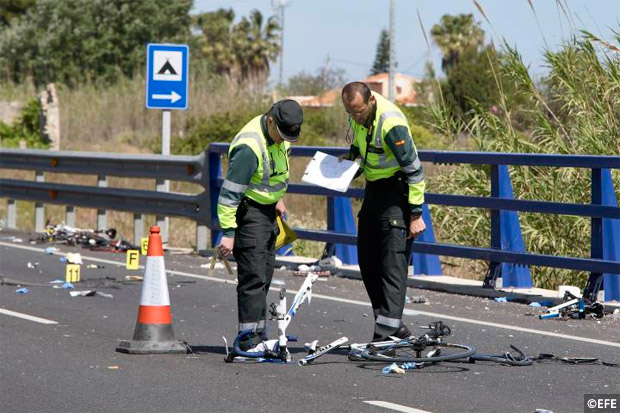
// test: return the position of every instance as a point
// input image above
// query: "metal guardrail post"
(516, 276)
(11, 214)
(495, 267)
(329, 249)
(215, 172)
(70, 216)
(102, 182)
(162, 221)
(426, 264)
(611, 239)
(201, 237)
(340, 218)
(39, 207)
(596, 237)
(138, 228)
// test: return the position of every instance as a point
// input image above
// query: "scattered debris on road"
(89, 293)
(96, 240)
(392, 369)
(416, 299)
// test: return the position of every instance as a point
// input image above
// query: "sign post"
(167, 68)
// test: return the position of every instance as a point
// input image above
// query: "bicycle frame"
(280, 349)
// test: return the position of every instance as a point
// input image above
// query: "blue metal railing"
(596, 264)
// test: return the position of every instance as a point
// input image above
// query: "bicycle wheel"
(430, 353)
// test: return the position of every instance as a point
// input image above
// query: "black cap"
(288, 117)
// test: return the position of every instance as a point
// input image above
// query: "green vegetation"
(241, 51)
(24, 128)
(303, 84)
(574, 109)
(71, 41)
(10, 9)
(382, 56)
(455, 35)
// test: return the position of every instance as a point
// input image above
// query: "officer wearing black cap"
(249, 200)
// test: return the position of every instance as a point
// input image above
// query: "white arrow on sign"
(172, 97)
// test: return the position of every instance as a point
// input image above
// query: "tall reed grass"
(574, 109)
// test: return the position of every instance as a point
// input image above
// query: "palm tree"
(242, 51)
(454, 35)
(216, 28)
(255, 46)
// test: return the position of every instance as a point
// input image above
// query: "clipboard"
(286, 235)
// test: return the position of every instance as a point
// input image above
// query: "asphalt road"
(72, 366)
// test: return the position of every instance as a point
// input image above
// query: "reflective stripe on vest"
(387, 321)
(382, 118)
(270, 180)
(268, 188)
(259, 140)
(234, 187)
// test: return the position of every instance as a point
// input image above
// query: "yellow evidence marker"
(72, 273)
(144, 245)
(133, 259)
(286, 235)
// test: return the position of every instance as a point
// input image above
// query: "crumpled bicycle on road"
(427, 349)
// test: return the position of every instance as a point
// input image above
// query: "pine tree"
(382, 57)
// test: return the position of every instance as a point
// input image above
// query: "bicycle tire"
(507, 358)
(403, 353)
(502, 360)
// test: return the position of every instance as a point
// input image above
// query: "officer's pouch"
(396, 233)
(389, 223)
(244, 242)
(242, 209)
(403, 184)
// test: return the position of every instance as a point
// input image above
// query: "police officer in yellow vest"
(391, 213)
(249, 200)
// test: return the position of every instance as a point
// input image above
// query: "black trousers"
(383, 251)
(254, 251)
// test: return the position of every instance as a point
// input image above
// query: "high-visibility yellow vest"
(270, 180)
(381, 162)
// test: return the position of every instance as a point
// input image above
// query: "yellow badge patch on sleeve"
(399, 142)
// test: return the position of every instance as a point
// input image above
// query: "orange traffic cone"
(153, 333)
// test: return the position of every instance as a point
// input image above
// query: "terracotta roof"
(329, 98)
(383, 77)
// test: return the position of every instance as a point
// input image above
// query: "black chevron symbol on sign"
(167, 69)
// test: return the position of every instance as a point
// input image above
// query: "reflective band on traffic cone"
(153, 333)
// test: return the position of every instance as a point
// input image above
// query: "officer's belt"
(258, 204)
(372, 149)
(390, 180)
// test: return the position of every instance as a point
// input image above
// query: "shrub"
(25, 128)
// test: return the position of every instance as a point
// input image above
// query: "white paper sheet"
(326, 171)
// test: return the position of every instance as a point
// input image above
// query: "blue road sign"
(167, 68)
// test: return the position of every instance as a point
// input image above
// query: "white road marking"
(346, 300)
(27, 317)
(394, 406)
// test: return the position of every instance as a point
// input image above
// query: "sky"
(346, 32)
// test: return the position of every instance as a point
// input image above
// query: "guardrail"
(158, 167)
(205, 169)
(597, 265)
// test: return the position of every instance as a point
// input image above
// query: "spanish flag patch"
(399, 142)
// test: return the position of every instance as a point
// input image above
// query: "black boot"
(403, 332)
